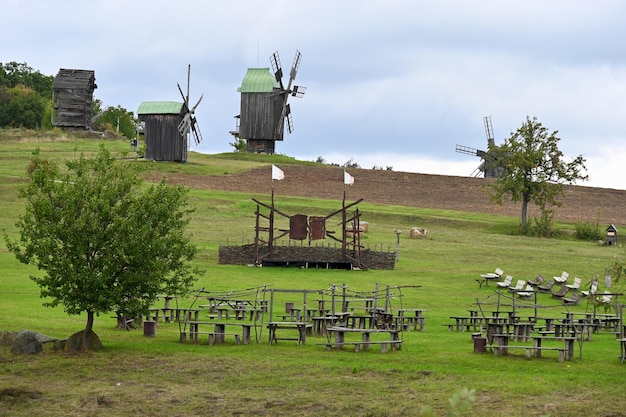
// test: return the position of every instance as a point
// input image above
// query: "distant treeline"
(26, 102)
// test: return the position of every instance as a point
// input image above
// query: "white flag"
(277, 173)
(347, 178)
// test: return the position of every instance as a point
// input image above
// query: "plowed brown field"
(410, 189)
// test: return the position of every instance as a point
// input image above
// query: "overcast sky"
(390, 83)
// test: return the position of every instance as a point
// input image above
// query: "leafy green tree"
(105, 242)
(239, 144)
(21, 106)
(13, 74)
(533, 168)
(117, 119)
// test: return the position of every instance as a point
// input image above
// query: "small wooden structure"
(72, 98)
(161, 134)
(611, 235)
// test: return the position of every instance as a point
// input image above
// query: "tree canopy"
(24, 95)
(21, 106)
(105, 242)
(13, 74)
(117, 119)
(533, 168)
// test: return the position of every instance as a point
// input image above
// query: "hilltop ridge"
(580, 203)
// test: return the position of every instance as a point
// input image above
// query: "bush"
(588, 230)
(542, 226)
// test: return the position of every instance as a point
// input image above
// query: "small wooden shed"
(72, 98)
(161, 135)
(611, 235)
(261, 110)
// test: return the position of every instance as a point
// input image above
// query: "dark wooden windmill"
(168, 125)
(488, 168)
(264, 105)
(72, 98)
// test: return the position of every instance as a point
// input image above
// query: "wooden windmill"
(72, 98)
(264, 105)
(168, 125)
(487, 168)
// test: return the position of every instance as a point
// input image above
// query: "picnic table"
(415, 321)
(501, 346)
(365, 342)
(219, 331)
(301, 327)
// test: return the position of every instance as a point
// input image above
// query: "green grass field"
(158, 375)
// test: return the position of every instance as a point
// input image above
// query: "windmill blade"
(183, 126)
(278, 71)
(183, 96)
(286, 113)
(298, 91)
(489, 130)
(469, 151)
(294, 69)
(196, 106)
(195, 130)
(289, 120)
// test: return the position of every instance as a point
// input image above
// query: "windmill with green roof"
(264, 105)
(168, 125)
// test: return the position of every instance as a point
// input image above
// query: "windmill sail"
(189, 122)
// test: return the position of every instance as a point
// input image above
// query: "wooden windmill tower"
(264, 105)
(487, 168)
(72, 98)
(168, 125)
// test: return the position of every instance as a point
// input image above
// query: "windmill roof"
(74, 78)
(160, 107)
(258, 80)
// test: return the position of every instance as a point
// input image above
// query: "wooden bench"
(395, 345)
(220, 337)
(124, 322)
(183, 335)
(503, 350)
(301, 327)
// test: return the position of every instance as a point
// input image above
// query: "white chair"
(605, 298)
(493, 275)
(527, 293)
(576, 285)
(593, 289)
(519, 285)
(563, 278)
(507, 281)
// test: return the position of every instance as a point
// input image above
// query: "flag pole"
(343, 220)
(271, 231)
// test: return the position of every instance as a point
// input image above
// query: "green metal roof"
(258, 80)
(160, 107)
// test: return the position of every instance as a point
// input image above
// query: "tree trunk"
(89, 325)
(524, 212)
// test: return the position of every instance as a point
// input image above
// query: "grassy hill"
(146, 376)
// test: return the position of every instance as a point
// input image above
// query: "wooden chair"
(537, 281)
(527, 293)
(593, 289)
(561, 292)
(563, 278)
(547, 287)
(506, 283)
(575, 285)
(572, 300)
(519, 286)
